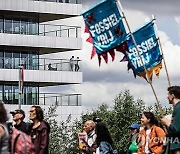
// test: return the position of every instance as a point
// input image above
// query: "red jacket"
(157, 136)
(41, 139)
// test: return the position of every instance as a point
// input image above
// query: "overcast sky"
(103, 84)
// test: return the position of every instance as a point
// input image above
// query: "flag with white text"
(147, 53)
(106, 28)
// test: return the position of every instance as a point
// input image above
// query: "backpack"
(20, 143)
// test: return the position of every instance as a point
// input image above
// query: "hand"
(165, 121)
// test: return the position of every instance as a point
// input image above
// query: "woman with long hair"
(104, 141)
(40, 130)
(4, 134)
(151, 137)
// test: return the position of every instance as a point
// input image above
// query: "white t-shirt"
(148, 131)
(97, 150)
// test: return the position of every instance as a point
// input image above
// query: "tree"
(63, 135)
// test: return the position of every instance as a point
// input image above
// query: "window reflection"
(10, 95)
(16, 25)
(1, 25)
(8, 25)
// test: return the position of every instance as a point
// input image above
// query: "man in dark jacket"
(18, 117)
(174, 125)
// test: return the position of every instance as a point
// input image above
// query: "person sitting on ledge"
(51, 68)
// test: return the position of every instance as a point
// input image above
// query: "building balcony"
(48, 99)
(42, 44)
(46, 64)
(43, 72)
(48, 10)
(61, 1)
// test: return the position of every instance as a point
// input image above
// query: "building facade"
(25, 36)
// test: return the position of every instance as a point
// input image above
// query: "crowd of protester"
(150, 136)
(37, 130)
(146, 137)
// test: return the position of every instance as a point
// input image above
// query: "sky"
(102, 84)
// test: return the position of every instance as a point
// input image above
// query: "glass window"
(24, 58)
(1, 92)
(35, 62)
(24, 26)
(33, 27)
(16, 60)
(16, 26)
(8, 60)
(1, 60)
(1, 25)
(15, 94)
(8, 25)
(8, 94)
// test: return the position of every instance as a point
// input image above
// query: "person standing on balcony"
(71, 62)
(40, 130)
(77, 64)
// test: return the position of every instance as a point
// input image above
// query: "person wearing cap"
(134, 130)
(18, 117)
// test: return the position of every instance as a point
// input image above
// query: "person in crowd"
(77, 64)
(4, 134)
(96, 119)
(104, 141)
(18, 117)
(174, 125)
(71, 63)
(40, 130)
(134, 130)
(151, 137)
(89, 128)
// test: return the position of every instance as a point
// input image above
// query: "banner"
(105, 26)
(148, 53)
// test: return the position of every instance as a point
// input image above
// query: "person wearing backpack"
(151, 137)
(40, 130)
(4, 135)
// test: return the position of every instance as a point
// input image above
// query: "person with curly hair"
(104, 141)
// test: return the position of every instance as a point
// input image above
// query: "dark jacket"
(24, 127)
(40, 138)
(174, 128)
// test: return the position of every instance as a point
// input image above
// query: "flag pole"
(149, 81)
(20, 91)
(165, 66)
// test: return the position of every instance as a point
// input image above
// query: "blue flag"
(148, 48)
(105, 26)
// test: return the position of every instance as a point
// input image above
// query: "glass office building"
(25, 36)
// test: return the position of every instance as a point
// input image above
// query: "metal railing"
(61, 1)
(30, 98)
(60, 99)
(59, 30)
(41, 64)
(42, 30)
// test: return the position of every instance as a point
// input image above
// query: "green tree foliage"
(63, 135)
